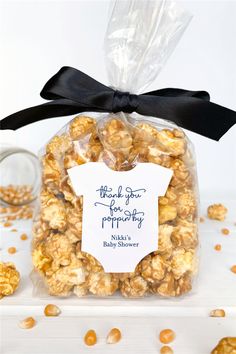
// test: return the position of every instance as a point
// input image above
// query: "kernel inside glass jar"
(19, 178)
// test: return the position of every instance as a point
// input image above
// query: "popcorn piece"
(53, 211)
(41, 260)
(74, 223)
(167, 213)
(81, 290)
(185, 234)
(153, 268)
(175, 145)
(102, 284)
(94, 148)
(9, 279)
(181, 176)
(59, 249)
(58, 288)
(61, 282)
(116, 137)
(92, 265)
(166, 288)
(164, 239)
(52, 172)
(217, 212)
(182, 262)
(80, 126)
(186, 206)
(134, 287)
(170, 287)
(72, 158)
(226, 345)
(58, 145)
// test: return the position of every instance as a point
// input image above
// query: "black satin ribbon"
(71, 91)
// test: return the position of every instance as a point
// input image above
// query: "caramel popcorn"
(226, 345)
(57, 231)
(80, 126)
(153, 268)
(102, 284)
(9, 279)
(134, 287)
(182, 262)
(53, 211)
(217, 212)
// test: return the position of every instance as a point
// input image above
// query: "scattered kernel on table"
(217, 212)
(7, 224)
(218, 247)
(52, 310)
(11, 250)
(9, 279)
(226, 345)
(24, 237)
(217, 313)
(201, 219)
(225, 231)
(14, 230)
(114, 336)
(90, 338)
(166, 350)
(27, 323)
(233, 269)
(166, 336)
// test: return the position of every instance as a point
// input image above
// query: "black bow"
(72, 91)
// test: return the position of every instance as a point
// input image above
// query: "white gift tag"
(120, 211)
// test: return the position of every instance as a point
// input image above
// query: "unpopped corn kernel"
(114, 336)
(225, 231)
(11, 250)
(217, 313)
(166, 350)
(24, 237)
(218, 247)
(52, 310)
(27, 323)
(167, 336)
(90, 338)
(233, 269)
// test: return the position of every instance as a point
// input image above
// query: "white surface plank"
(140, 335)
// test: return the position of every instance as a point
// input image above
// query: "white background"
(38, 37)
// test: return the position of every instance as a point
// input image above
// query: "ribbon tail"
(202, 117)
(53, 109)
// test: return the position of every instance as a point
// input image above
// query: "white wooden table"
(140, 320)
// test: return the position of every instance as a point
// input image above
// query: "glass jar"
(19, 176)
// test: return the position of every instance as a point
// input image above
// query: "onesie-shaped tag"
(120, 211)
